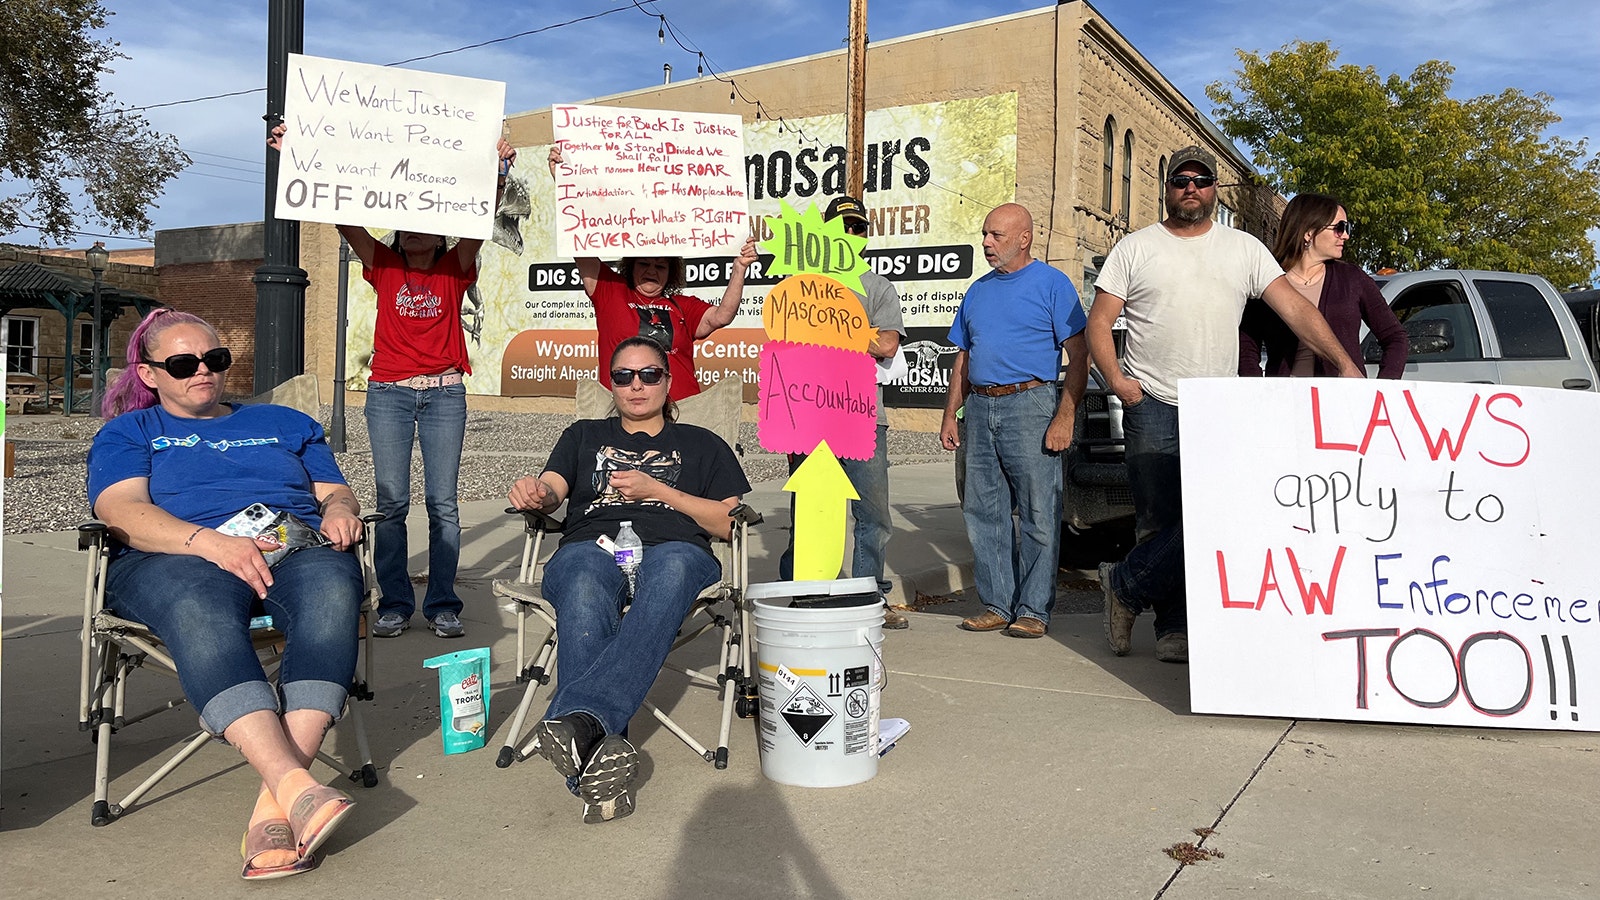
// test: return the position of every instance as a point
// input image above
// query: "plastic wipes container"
(819, 662)
(463, 698)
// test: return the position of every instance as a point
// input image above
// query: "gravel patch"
(47, 493)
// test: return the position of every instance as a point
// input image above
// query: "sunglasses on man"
(651, 375)
(1201, 182)
(185, 365)
(857, 228)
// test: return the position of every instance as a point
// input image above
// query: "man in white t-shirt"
(1182, 285)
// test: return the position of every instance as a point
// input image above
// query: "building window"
(1109, 139)
(22, 344)
(1161, 189)
(1127, 177)
(1225, 215)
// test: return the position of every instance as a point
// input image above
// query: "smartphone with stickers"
(249, 521)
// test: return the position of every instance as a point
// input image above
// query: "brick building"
(210, 271)
(42, 287)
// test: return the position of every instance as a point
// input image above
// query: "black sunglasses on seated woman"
(648, 375)
(185, 365)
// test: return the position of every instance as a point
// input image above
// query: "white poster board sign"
(1392, 551)
(644, 182)
(389, 148)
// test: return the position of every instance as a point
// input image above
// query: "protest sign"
(1392, 551)
(813, 309)
(389, 148)
(811, 393)
(801, 243)
(643, 182)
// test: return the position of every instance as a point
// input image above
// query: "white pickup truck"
(1464, 326)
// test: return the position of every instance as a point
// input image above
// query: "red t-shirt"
(418, 331)
(620, 313)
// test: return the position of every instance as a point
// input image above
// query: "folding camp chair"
(113, 648)
(721, 608)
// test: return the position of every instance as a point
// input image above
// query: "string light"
(700, 67)
(661, 33)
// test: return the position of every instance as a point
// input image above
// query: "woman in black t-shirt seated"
(676, 484)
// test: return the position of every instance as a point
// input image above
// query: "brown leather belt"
(1004, 390)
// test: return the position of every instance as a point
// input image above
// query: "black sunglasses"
(855, 227)
(1343, 227)
(1201, 182)
(648, 375)
(185, 365)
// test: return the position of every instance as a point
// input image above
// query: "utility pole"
(856, 113)
(280, 282)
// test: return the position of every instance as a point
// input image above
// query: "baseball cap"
(1193, 154)
(847, 206)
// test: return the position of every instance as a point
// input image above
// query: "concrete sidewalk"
(1033, 768)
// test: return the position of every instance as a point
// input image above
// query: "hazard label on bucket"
(806, 714)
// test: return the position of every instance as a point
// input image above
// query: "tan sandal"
(268, 835)
(315, 814)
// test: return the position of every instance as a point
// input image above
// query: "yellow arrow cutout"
(820, 490)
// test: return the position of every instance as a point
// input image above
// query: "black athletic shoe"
(568, 741)
(609, 773)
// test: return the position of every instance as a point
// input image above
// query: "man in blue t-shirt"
(1021, 398)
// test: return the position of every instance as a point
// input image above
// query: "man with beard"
(1182, 284)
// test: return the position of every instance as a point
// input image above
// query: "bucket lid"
(801, 590)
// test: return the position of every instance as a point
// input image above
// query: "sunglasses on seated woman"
(185, 365)
(648, 375)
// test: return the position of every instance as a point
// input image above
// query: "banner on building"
(389, 148)
(1392, 551)
(933, 171)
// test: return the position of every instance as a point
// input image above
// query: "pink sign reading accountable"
(810, 394)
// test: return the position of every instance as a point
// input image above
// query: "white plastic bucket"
(820, 667)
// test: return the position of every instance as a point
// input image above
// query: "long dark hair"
(1305, 213)
(129, 392)
(670, 411)
(675, 280)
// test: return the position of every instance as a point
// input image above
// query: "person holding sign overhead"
(416, 395)
(643, 300)
(1012, 329)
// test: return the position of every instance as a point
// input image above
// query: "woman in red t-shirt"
(416, 395)
(643, 300)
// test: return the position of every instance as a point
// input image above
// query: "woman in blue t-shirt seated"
(173, 465)
(676, 484)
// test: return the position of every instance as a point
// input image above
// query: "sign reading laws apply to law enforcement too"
(1392, 551)
(648, 182)
(389, 148)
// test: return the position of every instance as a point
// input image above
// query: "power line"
(498, 40)
(201, 162)
(223, 177)
(255, 162)
(114, 237)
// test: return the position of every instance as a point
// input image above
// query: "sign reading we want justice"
(389, 148)
(1392, 551)
(641, 182)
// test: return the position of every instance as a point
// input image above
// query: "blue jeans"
(203, 614)
(1014, 563)
(870, 477)
(606, 661)
(1152, 575)
(436, 418)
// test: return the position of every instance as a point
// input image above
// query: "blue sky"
(181, 49)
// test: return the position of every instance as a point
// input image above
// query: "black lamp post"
(98, 256)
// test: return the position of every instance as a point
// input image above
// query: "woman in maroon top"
(1311, 239)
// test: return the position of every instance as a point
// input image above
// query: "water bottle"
(629, 553)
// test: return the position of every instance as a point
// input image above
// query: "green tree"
(1433, 182)
(60, 135)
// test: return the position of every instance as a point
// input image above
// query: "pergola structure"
(32, 286)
